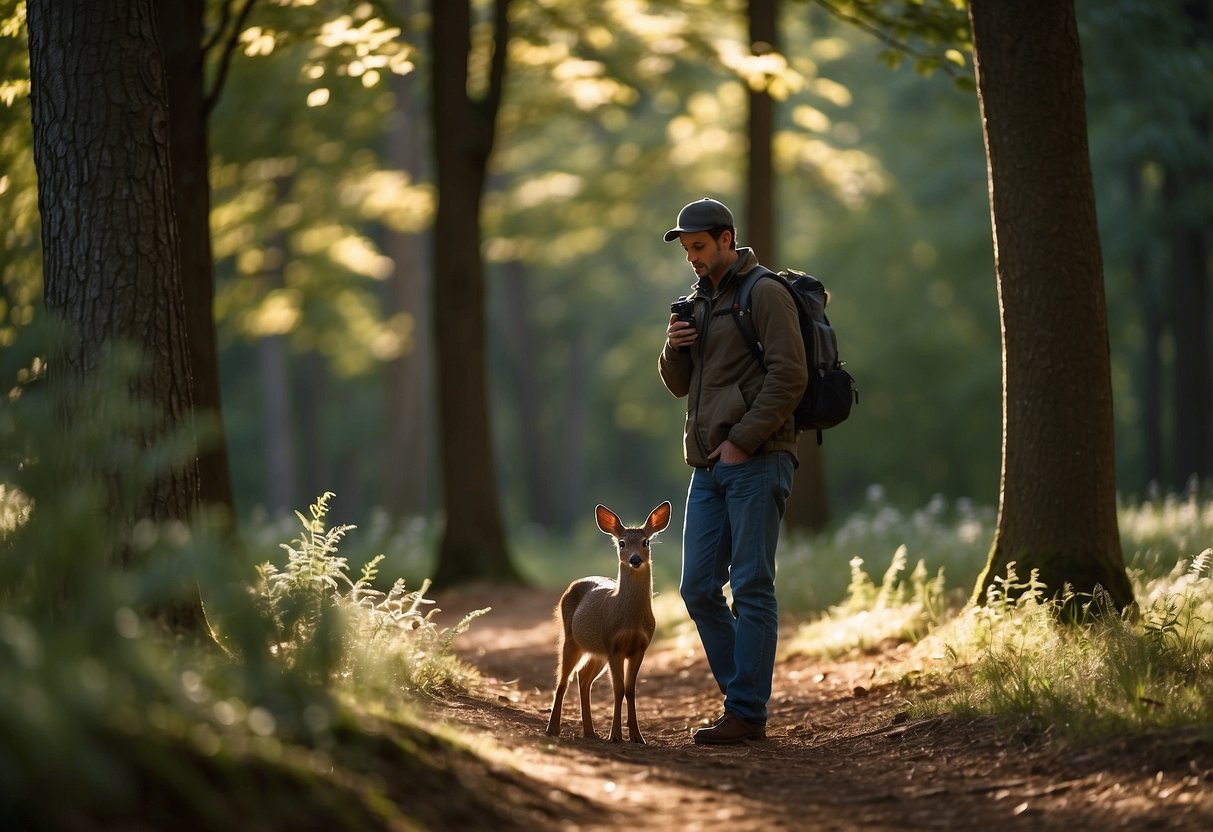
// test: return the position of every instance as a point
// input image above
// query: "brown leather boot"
(730, 728)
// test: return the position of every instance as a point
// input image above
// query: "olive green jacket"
(728, 394)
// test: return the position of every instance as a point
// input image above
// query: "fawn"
(606, 622)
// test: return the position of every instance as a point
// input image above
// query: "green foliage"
(1066, 662)
(933, 33)
(20, 253)
(1157, 533)
(818, 572)
(348, 632)
(900, 609)
(109, 721)
(1101, 673)
(616, 114)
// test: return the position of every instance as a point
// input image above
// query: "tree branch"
(501, 46)
(211, 97)
(872, 22)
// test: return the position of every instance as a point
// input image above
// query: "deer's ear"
(659, 518)
(608, 521)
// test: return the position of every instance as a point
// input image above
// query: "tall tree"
(180, 26)
(110, 248)
(1057, 507)
(473, 545)
(809, 506)
(1189, 295)
(1185, 193)
(409, 422)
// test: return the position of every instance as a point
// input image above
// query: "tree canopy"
(613, 115)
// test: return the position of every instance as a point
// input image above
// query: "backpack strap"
(743, 312)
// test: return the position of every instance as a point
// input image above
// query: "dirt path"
(838, 755)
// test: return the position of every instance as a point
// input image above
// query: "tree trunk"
(277, 424)
(1188, 294)
(409, 413)
(278, 412)
(533, 443)
(180, 28)
(760, 202)
(1057, 508)
(809, 505)
(1150, 368)
(110, 248)
(473, 545)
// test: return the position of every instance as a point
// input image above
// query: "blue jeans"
(732, 527)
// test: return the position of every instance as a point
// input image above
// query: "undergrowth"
(387, 640)
(300, 714)
(816, 572)
(1021, 655)
(1068, 662)
(900, 608)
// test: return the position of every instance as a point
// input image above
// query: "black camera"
(684, 309)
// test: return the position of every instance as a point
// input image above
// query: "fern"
(384, 639)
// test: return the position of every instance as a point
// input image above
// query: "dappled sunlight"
(258, 41)
(769, 73)
(391, 197)
(1021, 655)
(587, 85)
(703, 132)
(832, 91)
(378, 340)
(829, 48)
(268, 670)
(357, 254)
(852, 175)
(1163, 524)
(545, 188)
(571, 246)
(901, 608)
(811, 119)
(278, 313)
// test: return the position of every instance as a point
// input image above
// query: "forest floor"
(840, 752)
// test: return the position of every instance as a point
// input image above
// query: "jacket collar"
(745, 262)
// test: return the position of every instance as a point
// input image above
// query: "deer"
(609, 623)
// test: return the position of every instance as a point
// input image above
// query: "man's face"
(706, 256)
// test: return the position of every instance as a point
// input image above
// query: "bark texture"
(110, 246)
(1057, 506)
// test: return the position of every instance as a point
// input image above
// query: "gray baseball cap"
(701, 215)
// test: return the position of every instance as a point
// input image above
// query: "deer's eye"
(645, 543)
(620, 544)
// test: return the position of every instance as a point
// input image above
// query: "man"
(741, 442)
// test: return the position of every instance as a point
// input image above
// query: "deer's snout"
(635, 561)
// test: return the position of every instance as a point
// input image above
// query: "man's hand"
(681, 333)
(728, 453)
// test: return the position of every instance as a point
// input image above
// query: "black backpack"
(831, 390)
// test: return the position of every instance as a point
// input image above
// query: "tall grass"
(902, 607)
(1019, 655)
(818, 572)
(1023, 652)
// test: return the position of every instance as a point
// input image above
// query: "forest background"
(613, 116)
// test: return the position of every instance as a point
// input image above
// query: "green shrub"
(901, 608)
(109, 721)
(348, 631)
(1102, 672)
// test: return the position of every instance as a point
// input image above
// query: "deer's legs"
(585, 677)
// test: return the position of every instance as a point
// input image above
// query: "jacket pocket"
(721, 408)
